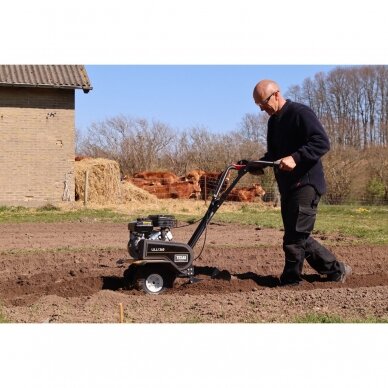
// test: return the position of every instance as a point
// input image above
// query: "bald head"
(264, 88)
(268, 97)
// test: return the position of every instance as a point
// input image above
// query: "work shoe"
(343, 276)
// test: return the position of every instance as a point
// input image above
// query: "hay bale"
(104, 180)
(132, 193)
(105, 186)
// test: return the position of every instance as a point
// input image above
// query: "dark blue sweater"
(296, 131)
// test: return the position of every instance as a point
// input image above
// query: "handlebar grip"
(262, 163)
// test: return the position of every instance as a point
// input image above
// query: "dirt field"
(42, 280)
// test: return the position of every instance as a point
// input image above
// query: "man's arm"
(317, 143)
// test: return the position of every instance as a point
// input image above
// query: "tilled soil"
(73, 272)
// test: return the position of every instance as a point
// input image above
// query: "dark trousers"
(299, 210)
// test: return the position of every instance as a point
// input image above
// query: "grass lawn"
(369, 224)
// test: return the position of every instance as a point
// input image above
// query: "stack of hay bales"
(104, 184)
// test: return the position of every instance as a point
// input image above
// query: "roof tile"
(45, 76)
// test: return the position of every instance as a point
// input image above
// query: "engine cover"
(180, 255)
(141, 226)
(163, 221)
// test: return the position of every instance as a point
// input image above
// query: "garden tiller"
(158, 260)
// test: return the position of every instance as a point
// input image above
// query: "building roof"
(45, 76)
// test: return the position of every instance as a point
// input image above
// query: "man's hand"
(287, 163)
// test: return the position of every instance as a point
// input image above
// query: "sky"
(183, 96)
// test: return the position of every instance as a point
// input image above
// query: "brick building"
(37, 132)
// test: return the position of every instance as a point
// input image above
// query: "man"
(297, 139)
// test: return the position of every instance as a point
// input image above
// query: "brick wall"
(36, 145)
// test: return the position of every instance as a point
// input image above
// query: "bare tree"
(253, 127)
(340, 170)
(294, 92)
(352, 103)
(77, 140)
(135, 143)
(377, 158)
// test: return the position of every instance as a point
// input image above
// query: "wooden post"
(86, 187)
(121, 313)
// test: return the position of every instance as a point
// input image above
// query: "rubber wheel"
(154, 279)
